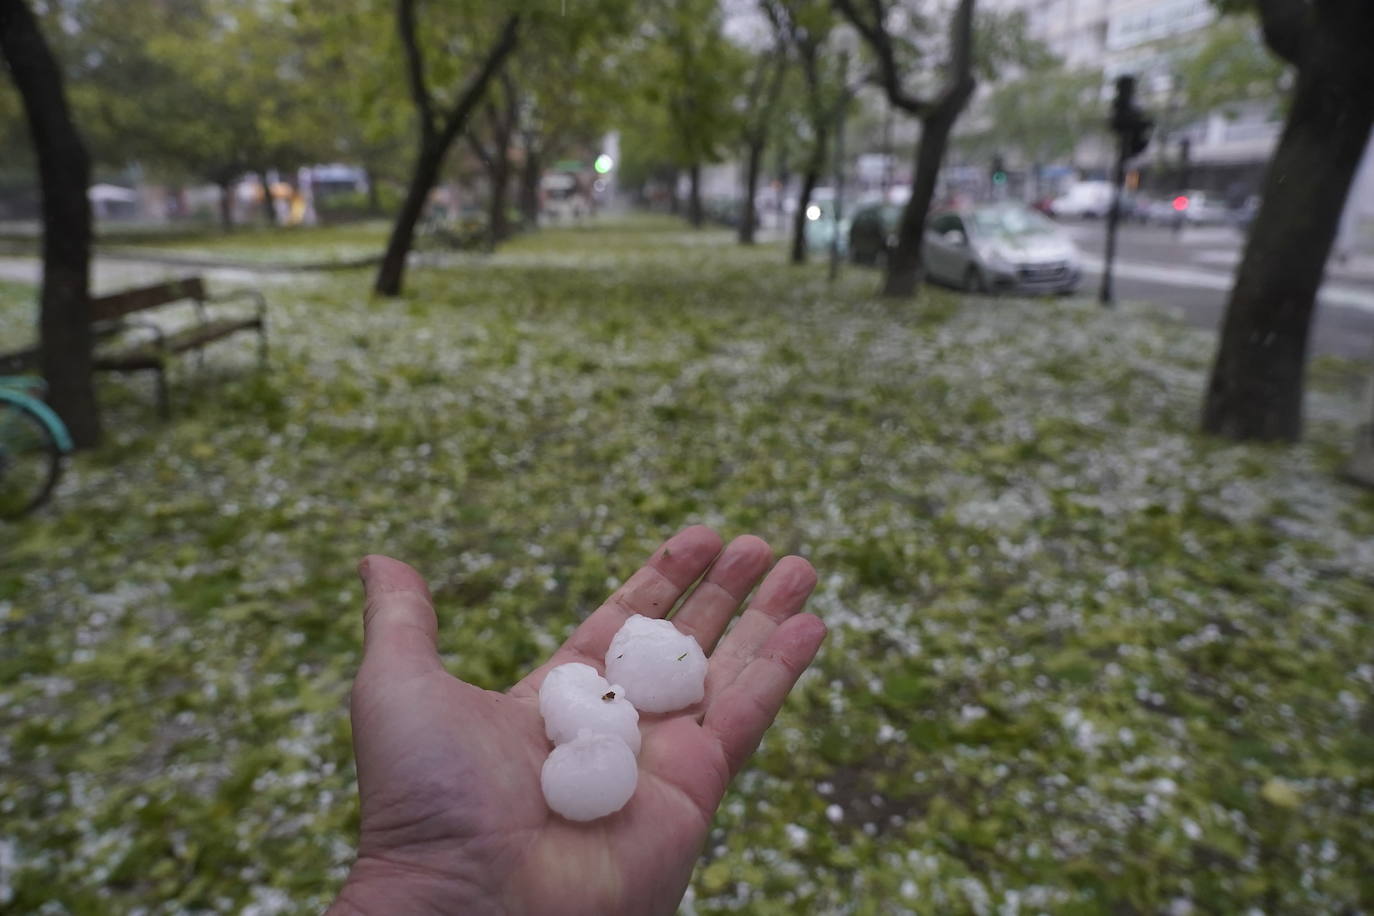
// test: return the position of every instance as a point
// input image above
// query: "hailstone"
(574, 698)
(591, 776)
(661, 668)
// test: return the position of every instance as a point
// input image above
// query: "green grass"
(259, 245)
(253, 243)
(1081, 661)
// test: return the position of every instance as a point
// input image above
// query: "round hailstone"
(661, 668)
(590, 776)
(574, 698)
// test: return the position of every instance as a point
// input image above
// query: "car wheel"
(973, 281)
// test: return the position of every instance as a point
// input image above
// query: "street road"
(1190, 273)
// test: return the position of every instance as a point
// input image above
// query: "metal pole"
(1113, 215)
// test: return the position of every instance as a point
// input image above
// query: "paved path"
(1190, 273)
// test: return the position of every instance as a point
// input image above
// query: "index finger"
(651, 591)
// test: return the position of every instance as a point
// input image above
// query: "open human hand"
(453, 819)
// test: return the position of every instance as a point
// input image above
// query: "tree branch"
(415, 66)
(478, 149)
(472, 92)
(1285, 24)
(875, 34)
(961, 82)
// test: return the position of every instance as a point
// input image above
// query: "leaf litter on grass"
(1081, 660)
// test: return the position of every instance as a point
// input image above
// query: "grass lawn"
(1082, 661)
(249, 244)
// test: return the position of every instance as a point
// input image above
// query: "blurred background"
(1043, 328)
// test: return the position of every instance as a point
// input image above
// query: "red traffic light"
(1180, 203)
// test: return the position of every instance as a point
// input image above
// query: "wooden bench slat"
(150, 355)
(107, 315)
(117, 305)
(198, 335)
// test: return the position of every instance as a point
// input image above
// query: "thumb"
(400, 631)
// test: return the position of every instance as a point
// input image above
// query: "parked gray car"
(1002, 247)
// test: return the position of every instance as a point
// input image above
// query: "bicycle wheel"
(30, 461)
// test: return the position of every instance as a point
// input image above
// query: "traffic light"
(1128, 121)
(999, 174)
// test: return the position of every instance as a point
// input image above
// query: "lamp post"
(1132, 129)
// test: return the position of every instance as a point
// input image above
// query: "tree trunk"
(226, 206)
(530, 174)
(64, 174)
(748, 217)
(809, 179)
(1256, 388)
(269, 207)
(436, 136)
(391, 274)
(498, 223)
(904, 267)
(695, 215)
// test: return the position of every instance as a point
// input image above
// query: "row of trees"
(928, 70)
(211, 89)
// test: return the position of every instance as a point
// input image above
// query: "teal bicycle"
(33, 443)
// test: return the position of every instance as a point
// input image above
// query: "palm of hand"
(452, 813)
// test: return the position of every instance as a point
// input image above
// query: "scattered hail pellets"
(590, 776)
(661, 668)
(574, 698)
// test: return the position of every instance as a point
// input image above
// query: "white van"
(1084, 199)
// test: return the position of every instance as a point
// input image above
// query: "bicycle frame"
(10, 391)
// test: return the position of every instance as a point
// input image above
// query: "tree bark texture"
(904, 267)
(748, 217)
(1256, 386)
(810, 177)
(425, 173)
(269, 207)
(903, 274)
(436, 137)
(64, 173)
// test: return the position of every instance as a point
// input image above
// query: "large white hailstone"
(588, 777)
(574, 698)
(660, 667)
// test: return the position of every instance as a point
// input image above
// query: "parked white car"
(1005, 247)
(1084, 200)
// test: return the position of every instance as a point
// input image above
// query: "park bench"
(110, 316)
(110, 320)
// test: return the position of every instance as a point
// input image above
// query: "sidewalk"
(1357, 268)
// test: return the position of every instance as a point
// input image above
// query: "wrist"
(381, 888)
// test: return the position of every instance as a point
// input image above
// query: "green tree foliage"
(828, 81)
(1230, 67)
(690, 74)
(1041, 115)
(200, 90)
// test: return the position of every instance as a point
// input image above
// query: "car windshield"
(1007, 221)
